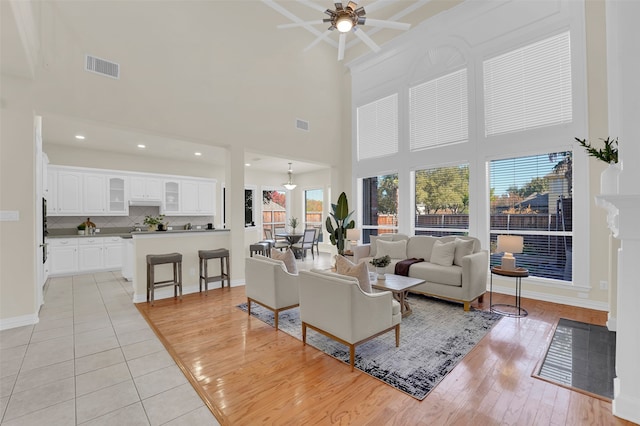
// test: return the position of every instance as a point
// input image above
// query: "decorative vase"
(609, 179)
(153, 227)
(380, 271)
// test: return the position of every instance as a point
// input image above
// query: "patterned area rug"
(433, 339)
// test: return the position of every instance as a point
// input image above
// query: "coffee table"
(398, 285)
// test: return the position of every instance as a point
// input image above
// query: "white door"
(189, 201)
(113, 255)
(90, 257)
(69, 192)
(206, 199)
(94, 198)
(64, 259)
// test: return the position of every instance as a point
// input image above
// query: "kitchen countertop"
(131, 234)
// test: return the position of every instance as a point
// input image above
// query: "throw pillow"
(346, 267)
(463, 248)
(393, 249)
(288, 258)
(443, 253)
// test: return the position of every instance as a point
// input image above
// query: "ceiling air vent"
(102, 67)
(302, 125)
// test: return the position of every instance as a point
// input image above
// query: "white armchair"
(336, 306)
(268, 283)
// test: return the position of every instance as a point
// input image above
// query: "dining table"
(292, 238)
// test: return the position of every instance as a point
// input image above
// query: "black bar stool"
(205, 255)
(160, 259)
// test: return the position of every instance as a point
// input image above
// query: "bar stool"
(259, 248)
(160, 259)
(205, 255)
(270, 245)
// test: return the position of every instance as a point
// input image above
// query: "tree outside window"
(380, 205)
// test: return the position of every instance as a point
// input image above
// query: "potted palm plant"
(337, 228)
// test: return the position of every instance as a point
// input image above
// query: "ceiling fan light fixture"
(344, 24)
(289, 185)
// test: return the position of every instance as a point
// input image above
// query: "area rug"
(581, 357)
(433, 339)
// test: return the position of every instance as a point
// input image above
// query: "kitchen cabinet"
(68, 193)
(143, 188)
(84, 254)
(90, 254)
(52, 192)
(198, 197)
(172, 197)
(93, 194)
(117, 196)
(112, 254)
(64, 255)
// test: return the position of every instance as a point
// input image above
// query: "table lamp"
(509, 244)
(353, 235)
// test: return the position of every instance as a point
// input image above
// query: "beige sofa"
(462, 281)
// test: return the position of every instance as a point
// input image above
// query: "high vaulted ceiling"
(205, 57)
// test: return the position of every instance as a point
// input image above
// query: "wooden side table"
(516, 311)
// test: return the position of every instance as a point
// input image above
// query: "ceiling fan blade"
(366, 39)
(343, 38)
(299, 24)
(318, 40)
(352, 5)
(312, 5)
(387, 24)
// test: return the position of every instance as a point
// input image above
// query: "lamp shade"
(510, 244)
(353, 234)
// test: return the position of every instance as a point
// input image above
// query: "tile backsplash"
(136, 216)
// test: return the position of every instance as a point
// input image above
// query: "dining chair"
(316, 239)
(306, 243)
(281, 243)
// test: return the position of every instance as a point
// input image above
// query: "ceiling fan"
(347, 19)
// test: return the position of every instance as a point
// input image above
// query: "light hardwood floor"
(250, 374)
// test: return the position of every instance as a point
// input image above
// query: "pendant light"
(289, 185)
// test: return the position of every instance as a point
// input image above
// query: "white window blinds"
(439, 111)
(529, 87)
(378, 128)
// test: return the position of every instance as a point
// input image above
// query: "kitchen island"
(162, 242)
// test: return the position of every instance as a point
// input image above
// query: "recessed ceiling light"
(80, 137)
(197, 154)
(141, 146)
(247, 164)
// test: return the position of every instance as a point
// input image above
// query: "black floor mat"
(581, 356)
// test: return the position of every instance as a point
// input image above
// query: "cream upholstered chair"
(268, 283)
(334, 305)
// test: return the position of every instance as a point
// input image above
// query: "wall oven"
(44, 230)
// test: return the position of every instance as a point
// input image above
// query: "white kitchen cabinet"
(93, 194)
(64, 255)
(52, 192)
(144, 188)
(128, 258)
(172, 196)
(69, 193)
(90, 257)
(112, 254)
(198, 197)
(117, 196)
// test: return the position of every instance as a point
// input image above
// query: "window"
(274, 209)
(378, 128)
(313, 209)
(442, 201)
(531, 197)
(249, 219)
(379, 205)
(438, 111)
(529, 87)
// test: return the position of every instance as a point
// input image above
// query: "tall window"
(313, 208)
(442, 201)
(529, 87)
(438, 111)
(249, 218)
(274, 209)
(379, 205)
(532, 197)
(378, 128)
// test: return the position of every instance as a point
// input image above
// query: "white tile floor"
(92, 360)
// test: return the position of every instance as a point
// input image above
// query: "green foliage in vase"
(381, 262)
(608, 154)
(337, 228)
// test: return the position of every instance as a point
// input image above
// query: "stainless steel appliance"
(44, 230)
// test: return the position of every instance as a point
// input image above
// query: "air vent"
(302, 125)
(102, 67)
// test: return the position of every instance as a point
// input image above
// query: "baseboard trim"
(20, 321)
(563, 300)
